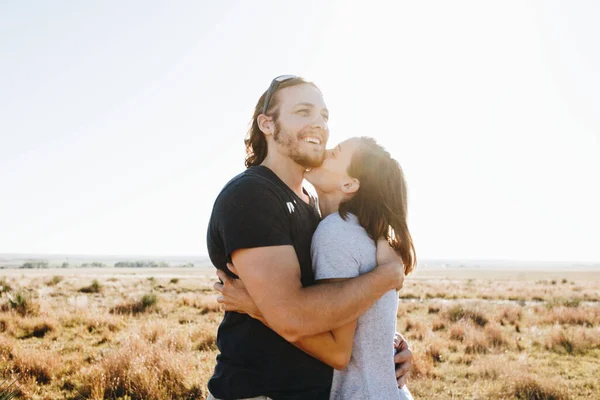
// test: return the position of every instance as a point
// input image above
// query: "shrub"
(146, 303)
(573, 302)
(458, 312)
(22, 303)
(434, 351)
(575, 341)
(204, 340)
(174, 280)
(95, 287)
(149, 300)
(475, 342)
(209, 307)
(5, 325)
(495, 336)
(458, 332)
(4, 286)
(36, 364)
(10, 390)
(438, 325)
(528, 388)
(38, 329)
(142, 370)
(433, 310)
(415, 330)
(56, 279)
(510, 315)
(572, 316)
(422, 364)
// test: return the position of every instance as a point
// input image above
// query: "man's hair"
(255, 141)
(381, 200)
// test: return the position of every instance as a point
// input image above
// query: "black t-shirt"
(256, 209)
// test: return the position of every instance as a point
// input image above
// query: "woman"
(362, 197)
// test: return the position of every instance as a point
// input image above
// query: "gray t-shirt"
(343, 249)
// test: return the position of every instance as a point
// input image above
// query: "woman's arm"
(333, 348)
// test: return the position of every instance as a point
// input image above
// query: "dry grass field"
(150, 333)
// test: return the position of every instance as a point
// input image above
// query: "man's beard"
(286, 140)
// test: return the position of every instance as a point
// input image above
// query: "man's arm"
(333, 348)
(272, 277)
(238, 299)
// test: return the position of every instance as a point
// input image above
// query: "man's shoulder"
(252, 180)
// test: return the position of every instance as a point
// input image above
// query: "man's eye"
(303, 112)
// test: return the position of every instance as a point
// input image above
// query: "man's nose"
(321, 122)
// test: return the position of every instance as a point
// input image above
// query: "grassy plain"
(150, 333)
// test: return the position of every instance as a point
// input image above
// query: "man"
(262, 222)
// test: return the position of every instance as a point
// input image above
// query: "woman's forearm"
(333, 348)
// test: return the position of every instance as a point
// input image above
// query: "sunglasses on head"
(274, 85)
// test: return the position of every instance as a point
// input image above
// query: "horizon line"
(205, 256)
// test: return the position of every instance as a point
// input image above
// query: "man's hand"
(388, 258)
(403, 359)
(234, 296)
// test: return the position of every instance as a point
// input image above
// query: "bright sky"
(121, 121)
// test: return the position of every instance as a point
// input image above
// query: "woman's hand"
(387, 256)
(234, 296)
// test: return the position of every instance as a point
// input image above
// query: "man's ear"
(351, 186)
(266, 124)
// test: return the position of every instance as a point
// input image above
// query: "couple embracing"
(310, 284)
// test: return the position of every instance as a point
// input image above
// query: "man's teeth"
(312, 140)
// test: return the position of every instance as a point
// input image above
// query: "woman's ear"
(265, 124)
(351, 186)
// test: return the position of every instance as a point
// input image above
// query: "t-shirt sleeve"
(249, 215)
(331, 251)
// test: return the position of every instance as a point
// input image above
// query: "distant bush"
(56, 279)
(4, 286)
(458, 312)
(146, 303)
(141, 264)
(95, 287)
(94, 265)
(148, 300)
(34, 264)
(559, 301)
(38, 330)
(174, 280)
(22, 304)
(574, 341)
(527, 387)
(476, 342)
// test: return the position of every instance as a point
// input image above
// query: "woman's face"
(333, 173)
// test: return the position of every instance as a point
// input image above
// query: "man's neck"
(329, 203)
(288, 171)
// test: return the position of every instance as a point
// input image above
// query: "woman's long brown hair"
(255, 141)
(381, 201)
